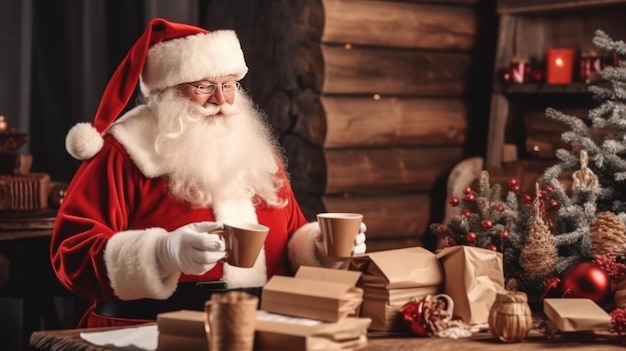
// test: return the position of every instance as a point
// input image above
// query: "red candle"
(559, 66)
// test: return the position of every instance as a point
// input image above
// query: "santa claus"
(135, 232)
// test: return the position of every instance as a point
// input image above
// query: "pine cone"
(608, 235)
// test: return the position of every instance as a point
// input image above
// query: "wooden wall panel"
(343, 122)
(388, 169)
(402, 216)
(394, 72)
(399, 24)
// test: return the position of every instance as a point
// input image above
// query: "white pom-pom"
(83, 141)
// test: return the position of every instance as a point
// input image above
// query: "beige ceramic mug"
(339, 230)
(244, 242)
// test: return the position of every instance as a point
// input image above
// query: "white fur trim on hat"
(83, 141)
(193, 58)
(132, 267)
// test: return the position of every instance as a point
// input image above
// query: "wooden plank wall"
(391, 120)
(369, 98)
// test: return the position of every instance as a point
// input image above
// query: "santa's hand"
(191, 249)
(358, 248)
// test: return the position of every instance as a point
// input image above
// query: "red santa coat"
(118, 205)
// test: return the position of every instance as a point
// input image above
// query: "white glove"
(191, 249)
(358, 248)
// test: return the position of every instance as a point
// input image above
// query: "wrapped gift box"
(392, 278)
(26, 192)
(576, 314)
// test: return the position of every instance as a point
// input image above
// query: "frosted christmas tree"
(569, 238)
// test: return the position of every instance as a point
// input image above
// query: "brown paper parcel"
(181, 330)
(297, 334)
(576, 314)
(318, 293)
(385, 317)
(412, 267)
(185, 330)
(473, 276)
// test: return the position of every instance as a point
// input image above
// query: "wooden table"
(69, 340)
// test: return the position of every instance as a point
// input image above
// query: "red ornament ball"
(504, 234)
(492, 247)
(527, 198)
(453, 200)
(515, 188)
(466, 212)
(586, 280)
(470, 197)
(487, 224)
(512, 182)
(467, 190)
(471, 237)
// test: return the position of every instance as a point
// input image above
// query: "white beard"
(212, 157)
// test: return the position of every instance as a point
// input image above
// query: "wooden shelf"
(506, 7)
(550, 89)
(575, 88)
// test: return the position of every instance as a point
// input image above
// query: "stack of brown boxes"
(392, 278)
(314, 310)
(20, 190)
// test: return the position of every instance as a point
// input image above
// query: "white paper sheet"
(143, 338)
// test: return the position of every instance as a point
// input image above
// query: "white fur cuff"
(132, 266)
(301, 246)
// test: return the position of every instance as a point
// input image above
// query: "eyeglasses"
(208, 89)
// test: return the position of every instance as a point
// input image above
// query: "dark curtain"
(56, 57)
(76, 46)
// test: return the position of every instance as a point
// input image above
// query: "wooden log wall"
(369, 98)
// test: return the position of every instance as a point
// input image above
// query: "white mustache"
(225, 109)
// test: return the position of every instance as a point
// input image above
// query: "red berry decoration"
(512, 182)
(548, 189)
(504, 234)
(487, 224)
(470, 197)
(492, 247)
(442, 229)
(527, 198)
(471, 237)
(449, 242)
(467, 190)
(553, 203)
(453, 201)
(515, 188)
(466, 212)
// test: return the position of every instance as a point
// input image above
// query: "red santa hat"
(165, 55)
